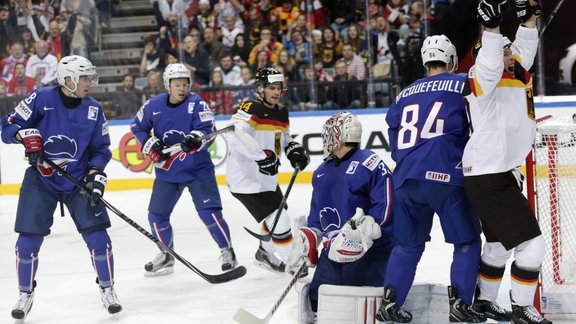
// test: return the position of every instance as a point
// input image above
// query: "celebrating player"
(180, 117)
(68, 127)
(428, 122)
(252, 176)
(354, 221)
(502, 116)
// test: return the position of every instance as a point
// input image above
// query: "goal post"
(551, 175)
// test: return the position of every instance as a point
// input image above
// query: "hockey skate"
(163, 264)
(390, 311)
(110, 300)
(526, 314)
(460, 311)
(269, 262)
(490, 309)
(23, 306)
(228, 259)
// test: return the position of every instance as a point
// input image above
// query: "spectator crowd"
(335, 45)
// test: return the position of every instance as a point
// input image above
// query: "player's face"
(272, 92)
(508, 61)
(84, 84)
(178, 90)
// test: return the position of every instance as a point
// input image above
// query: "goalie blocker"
(359, 305)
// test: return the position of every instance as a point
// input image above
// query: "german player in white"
(353, 222)
(251, 174)
(180, 117)
(68, 127)
(428, 130)
(503, 123)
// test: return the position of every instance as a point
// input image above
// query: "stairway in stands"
(122, 44)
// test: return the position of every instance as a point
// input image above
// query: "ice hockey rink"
(67, 293)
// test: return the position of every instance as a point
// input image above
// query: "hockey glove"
(191, 143)
(153, 148)
(297, 155)
(305, 247)
(490, 12)
(355, 238)
(32, 140)
(96, 183)
(524, 10)
(269, 165)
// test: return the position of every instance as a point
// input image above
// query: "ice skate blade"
(159, 273)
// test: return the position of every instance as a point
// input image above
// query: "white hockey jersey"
(501, 105)
(270, 128)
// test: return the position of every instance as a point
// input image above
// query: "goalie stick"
(268, 236)
(243, 316)
(177, 147)
(233, 274)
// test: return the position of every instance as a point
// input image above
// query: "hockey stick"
(233, 274)
(244, 317)
(268, 236)
(177, 147)
(552, 14)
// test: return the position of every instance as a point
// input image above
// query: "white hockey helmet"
(439, 48)
(176, 71)
(343, 127)
(75, 66)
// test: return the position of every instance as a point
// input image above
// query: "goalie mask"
(342, 128)
(439, 48)
(75, 66)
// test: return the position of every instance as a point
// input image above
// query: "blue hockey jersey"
(74, 138)
(170, 125)
(428, 130)
(362, 180)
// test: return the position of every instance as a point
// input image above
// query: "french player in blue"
(63, 124)
(354, 221)
(428, 130)
(179, 117)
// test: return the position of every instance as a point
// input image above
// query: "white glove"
(305, 247)
(519, 177)
(355, 238)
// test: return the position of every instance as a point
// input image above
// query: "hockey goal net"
(554, 190)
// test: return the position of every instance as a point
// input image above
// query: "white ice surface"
(67, 292)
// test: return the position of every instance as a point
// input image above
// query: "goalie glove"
(153, 148)
(305, 247)
(355, 238)
(490, 12)
(191, 143)
(32, 140)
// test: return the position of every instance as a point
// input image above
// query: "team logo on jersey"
(330, 219)
(352, 167)
(191, 107)
(61, 150)
(172, 136)
(93, 113)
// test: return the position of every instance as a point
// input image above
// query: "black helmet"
(269, 74)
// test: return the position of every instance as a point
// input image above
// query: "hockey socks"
(401, 270)
(161, 228)
(282, 236)
(465, 261)
(489, 280)
(27, 248)
(100, 248)
(523, 284)
(217, 227)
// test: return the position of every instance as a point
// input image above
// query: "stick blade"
(264, 238)
(242, 316)
(233, 274)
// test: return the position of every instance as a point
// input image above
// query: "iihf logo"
(330, 219)
(61, 150)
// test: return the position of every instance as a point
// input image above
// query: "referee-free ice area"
(67, 292)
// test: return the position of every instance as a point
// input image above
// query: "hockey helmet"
(269, 74)
(343, 127)
(439, 48)
(75, 66)
(176, 71)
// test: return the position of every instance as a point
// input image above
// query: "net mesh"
(555, 182)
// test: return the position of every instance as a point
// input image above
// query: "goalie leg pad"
(27, 248)
(217, 227)
(100, 247)
(305, 313)
(359, 305)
